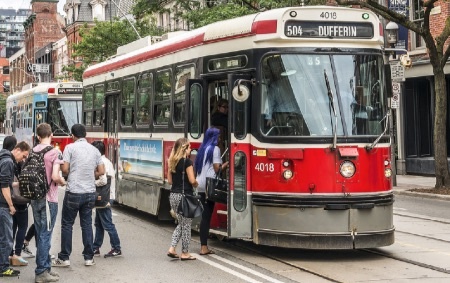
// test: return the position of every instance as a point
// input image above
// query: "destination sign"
(311, 29)
(69, 90)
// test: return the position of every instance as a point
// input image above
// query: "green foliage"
(215, 10)
(100, 41)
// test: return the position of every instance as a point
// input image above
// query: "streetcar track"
(241, 244)
(423, 236)
(429, 218)
(413, 262)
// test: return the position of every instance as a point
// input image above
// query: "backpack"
(33, 182)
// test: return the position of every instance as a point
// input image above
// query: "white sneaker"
(60, 263)
(89, 262)
(52, 256)
(45, 277)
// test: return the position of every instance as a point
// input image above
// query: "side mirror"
(240, 92)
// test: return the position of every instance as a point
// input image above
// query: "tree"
(100, 41)
(198, 15)
(438, 52)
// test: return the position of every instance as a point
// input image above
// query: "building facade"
(12, 32)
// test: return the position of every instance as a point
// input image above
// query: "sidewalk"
(407, 182)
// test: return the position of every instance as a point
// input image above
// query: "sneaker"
(89, 262)
(96, 252)
(10, 273)
(52, 256)
(27, 250)
(45, 277)
(60, 263)
(53, 273)
(113, 253)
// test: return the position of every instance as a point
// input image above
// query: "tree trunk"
(440, 129)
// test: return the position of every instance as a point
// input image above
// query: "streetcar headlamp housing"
(347, 169)
(287, 174)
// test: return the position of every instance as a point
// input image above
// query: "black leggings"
(30, 233)
(208, 208)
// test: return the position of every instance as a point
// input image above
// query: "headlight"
(387, 172)
(287, 174)
(347, 169)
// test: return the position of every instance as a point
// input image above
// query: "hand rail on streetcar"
(330, 96)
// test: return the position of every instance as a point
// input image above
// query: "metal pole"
(393, 142)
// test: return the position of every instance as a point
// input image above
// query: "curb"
(423, 195)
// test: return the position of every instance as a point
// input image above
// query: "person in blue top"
(207, 164)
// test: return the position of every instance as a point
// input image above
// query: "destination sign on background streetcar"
(311, 29)
(69, 90)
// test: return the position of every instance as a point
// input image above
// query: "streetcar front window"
(63, 114)
(297, 90)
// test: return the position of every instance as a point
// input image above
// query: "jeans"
(103, 221)
(43, 233)
(208, 208)
(72, 204)
(6, 237)
(20, 224)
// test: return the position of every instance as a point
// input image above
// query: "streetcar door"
(111, 129)
(239, 197)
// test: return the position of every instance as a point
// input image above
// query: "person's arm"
(65, 168)
(100, 170)
(55, 175)
(169, 176)
(7, 195)
(191, 176)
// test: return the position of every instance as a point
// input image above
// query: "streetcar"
(311, 170)
(56, 103)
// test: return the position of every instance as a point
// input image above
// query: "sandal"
(188, 258)
(209, 252)
(171, 255)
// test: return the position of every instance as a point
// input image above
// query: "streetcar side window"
(163, 90)
(98, 100)
(128, 100)
(196, 110)
(143, 99)
(88, 103)
(183, 74)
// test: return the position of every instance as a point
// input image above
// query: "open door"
(239, 200)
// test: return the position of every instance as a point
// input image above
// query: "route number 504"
(265, 167)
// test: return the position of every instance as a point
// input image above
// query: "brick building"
(43, 27)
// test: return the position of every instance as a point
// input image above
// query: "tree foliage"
(100, 41)
(438, 51)
(198, 15)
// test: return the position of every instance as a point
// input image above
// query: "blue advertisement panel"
(142, 157)
(401, 7)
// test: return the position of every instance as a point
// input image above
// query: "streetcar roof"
(268, 25)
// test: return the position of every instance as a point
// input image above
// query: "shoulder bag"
(190, 205)
(217, 189)
(102, 194)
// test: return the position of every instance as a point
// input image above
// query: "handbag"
(102, 194)
(217, 189)
(190, 205)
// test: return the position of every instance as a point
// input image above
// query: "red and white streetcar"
(307, 123)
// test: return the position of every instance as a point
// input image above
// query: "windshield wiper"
(386, 118)
(330, 97)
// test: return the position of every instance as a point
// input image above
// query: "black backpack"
(33, 182)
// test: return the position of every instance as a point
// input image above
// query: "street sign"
(397, 72)
(41, 68)
(395, 99)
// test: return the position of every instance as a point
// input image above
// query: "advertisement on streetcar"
(142, 157)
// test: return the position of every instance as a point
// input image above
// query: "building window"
(417, 16)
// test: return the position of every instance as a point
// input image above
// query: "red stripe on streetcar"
(264, 27)
(164, 50)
